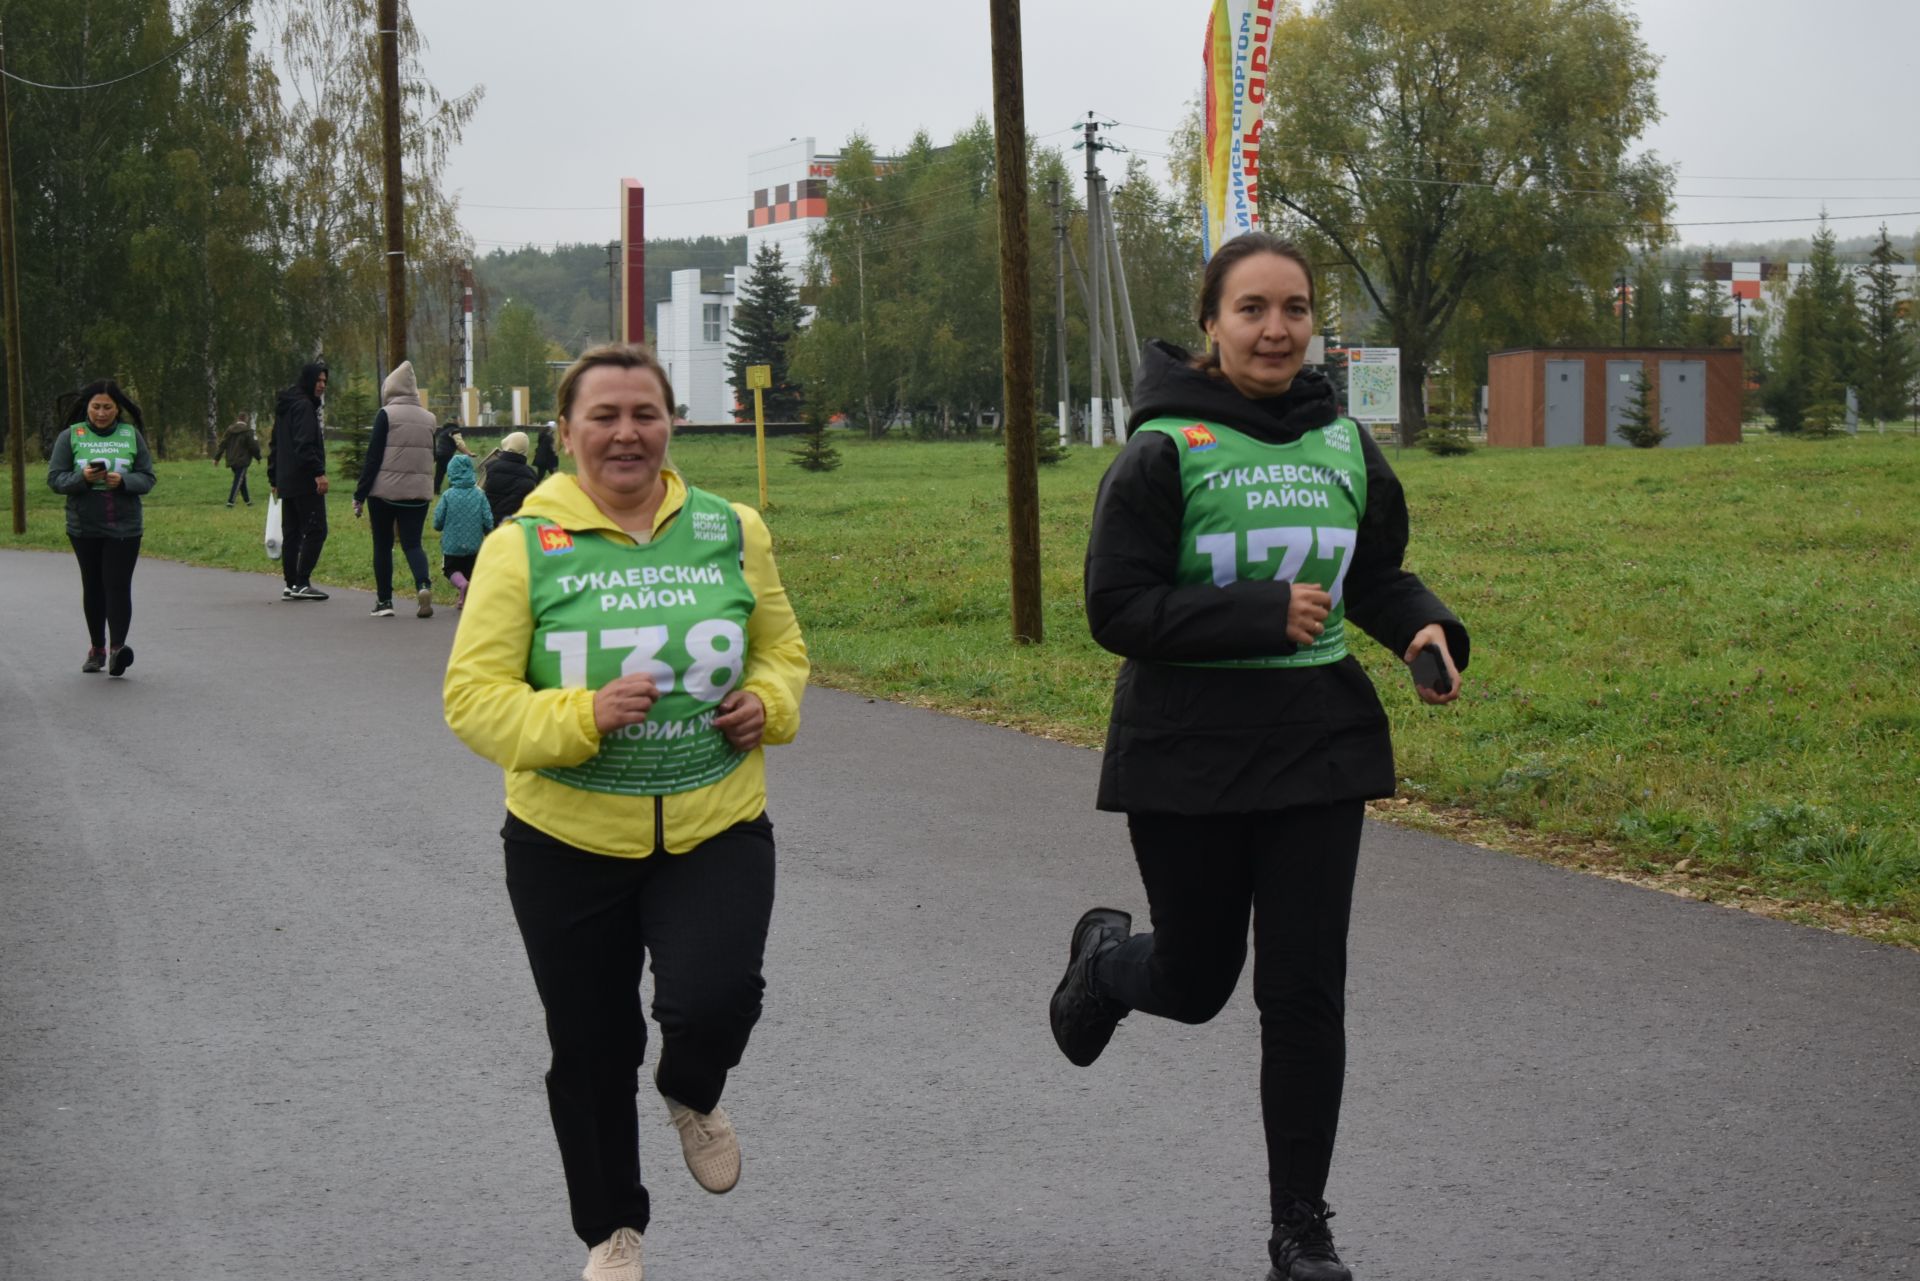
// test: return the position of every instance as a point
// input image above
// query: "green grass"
(1702, 655)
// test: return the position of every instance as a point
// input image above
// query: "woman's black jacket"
(1220, 740)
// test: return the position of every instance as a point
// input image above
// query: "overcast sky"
(1773, 108)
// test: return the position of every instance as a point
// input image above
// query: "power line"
(188, 43)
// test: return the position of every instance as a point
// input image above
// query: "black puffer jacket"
(297, 453)
(1217, 740)
(509, 481)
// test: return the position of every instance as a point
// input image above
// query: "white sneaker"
(708, 1142)
(615, 1259)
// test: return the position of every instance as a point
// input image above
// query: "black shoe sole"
(117, 664)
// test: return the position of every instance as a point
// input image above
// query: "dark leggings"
(1294, 870)
(106, 586)
(239, 487)
(589, 923)
(407, 520)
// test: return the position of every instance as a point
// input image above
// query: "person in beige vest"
(396, 483)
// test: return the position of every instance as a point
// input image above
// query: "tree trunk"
(1413, 398)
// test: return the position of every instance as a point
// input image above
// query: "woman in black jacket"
(508, 478)
(102, 464)
(1244, 525)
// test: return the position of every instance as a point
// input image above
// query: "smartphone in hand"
(1430, 671)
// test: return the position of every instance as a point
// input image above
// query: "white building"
(690, 337)
(789, 184)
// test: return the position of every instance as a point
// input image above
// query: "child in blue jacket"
(463, 518)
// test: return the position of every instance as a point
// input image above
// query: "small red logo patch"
(555, 540)
(1198, 437)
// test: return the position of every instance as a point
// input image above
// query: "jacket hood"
(310, 376)
(1168, 386)
(560, 499)
(460, 471)
(400, 387)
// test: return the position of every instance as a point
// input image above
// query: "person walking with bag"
(102, 464)
(239, 450)
(396, 482)
(1240, 532)
(630, 723)
(297, 466)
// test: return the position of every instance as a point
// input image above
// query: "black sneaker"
(286, 593)
(1083, 1022)
(383, 609)
(307, 591)
(96, 661)
(120, 660)
(1302, 1245)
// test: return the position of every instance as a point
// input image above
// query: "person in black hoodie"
(1242, 528)
(297, 469)
(508, 478)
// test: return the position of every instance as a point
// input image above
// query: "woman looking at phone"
(101, 463)
(1243, 527)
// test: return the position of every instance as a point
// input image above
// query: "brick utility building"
(1579, 395)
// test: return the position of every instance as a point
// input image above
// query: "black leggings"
(106, 585)
(1294, 869)
(407, 520)
(589, 923)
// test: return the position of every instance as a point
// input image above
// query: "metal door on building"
(1622, 377)
(1683, 402)
(1566, 402)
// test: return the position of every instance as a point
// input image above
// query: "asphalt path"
(263, 1013)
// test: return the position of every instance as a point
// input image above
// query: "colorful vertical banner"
(1237, 57)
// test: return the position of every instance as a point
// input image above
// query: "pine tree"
(1889, 363)
(1637, 426)
(765, 320)
(1678, 311)
(1711, 325)
(815, 452)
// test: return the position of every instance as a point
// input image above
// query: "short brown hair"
(612, 355)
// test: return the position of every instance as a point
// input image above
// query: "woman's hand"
(743, 719)
(114, 480)
(1307, 613)
(623, 702)
(1435, 635)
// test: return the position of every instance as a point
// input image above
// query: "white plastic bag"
(273, 527)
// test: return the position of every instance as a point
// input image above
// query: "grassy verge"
(1692, 668)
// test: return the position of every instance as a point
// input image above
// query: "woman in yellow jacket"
(626, 651)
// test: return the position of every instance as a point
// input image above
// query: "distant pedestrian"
(447, 442)
(1245, 739)
(631, 725)
(545, 460)
(102, 464)
(239, 450)
(506, 477)
(297, 466)
(463, 519)
(395, 483)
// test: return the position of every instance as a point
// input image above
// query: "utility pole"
(10, 303)
(1096, 326)
(1108, 341)
(1065, 402)
(613, 290)
(1120, 282)
(395, 211)
(1016, 323)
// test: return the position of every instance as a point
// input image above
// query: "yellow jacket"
(493, 709)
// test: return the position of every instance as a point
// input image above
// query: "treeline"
(570, 287)
(205, 219)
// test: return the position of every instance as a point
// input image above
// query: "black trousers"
(303, 532)
(405, 520)
(106, 586)
(589, 922)
(239, 487)
(1294, 870)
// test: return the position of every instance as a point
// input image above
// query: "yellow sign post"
(759, 378)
